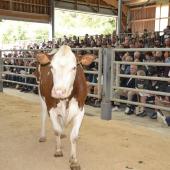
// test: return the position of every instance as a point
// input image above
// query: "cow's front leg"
(58, 152)
(43, 120)
(58, 131)
(77, 120)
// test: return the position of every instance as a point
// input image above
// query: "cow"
(62, 91)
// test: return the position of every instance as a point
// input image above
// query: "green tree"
(12, 35)
(69, 23)
(41, 34)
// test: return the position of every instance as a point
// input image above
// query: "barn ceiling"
(131, 3)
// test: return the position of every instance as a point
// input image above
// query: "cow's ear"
(87, 59)
(53, 52)
(42, 58)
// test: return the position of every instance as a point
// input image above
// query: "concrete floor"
(92, 111)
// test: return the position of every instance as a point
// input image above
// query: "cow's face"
(63, 68)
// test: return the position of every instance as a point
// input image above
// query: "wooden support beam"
(24, 16)
(115, 4)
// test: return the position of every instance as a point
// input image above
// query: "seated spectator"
(167, 42)
(141, 84)
(130, 83)
(163, 116)
(125, 68)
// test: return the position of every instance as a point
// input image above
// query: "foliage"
(41, 34)
(91, 24)
(66, 23)
(13, 34)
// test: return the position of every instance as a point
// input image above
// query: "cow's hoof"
(58, 154)
(75, 166)
(42, 139)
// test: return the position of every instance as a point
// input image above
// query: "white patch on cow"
(39, 69)
(77, 120)
(43, 115)
(56, 121)
(48, 73)
(64, 71)
(64, 115)
(60, 111)
(73, 110)
(39, 72)
(61, 116)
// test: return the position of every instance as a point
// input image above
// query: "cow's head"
(63, 67)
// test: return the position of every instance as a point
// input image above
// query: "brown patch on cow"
(44, 77)
(46, 85)
(79, 87)
(42, 58)
(36, 73)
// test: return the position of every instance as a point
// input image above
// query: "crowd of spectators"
(126, 40)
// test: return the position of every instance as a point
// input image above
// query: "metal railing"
(116, 77)
(112, 83)
(25, 75)
(109, 69)
(97, 72)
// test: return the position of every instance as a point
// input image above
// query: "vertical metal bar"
(112, 72)
(128, 19)
(106, 109)
(1, 71)
(119, 17)
(117, 72)
(160, 16)
(99, 72)
(117, 80)
(25, 78)
(52, 20)
(98, 5)
(116, 25)
(10, 5)
(76, 5)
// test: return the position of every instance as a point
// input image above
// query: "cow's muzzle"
(58, 93)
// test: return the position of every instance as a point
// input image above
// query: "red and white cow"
(63, 90)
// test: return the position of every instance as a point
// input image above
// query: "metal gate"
(112, 77)
(7, 76)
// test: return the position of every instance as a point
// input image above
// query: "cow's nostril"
(64, 91)
(59, 92)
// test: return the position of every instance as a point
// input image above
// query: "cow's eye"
(74, 68)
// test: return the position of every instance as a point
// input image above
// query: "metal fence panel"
(115, 81)
(25, 75)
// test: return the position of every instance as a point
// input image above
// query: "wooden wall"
(142, 18)
(169, 15)
(28, 10)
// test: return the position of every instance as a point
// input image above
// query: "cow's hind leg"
(58, 129)
(43, 120)
(74, 165)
